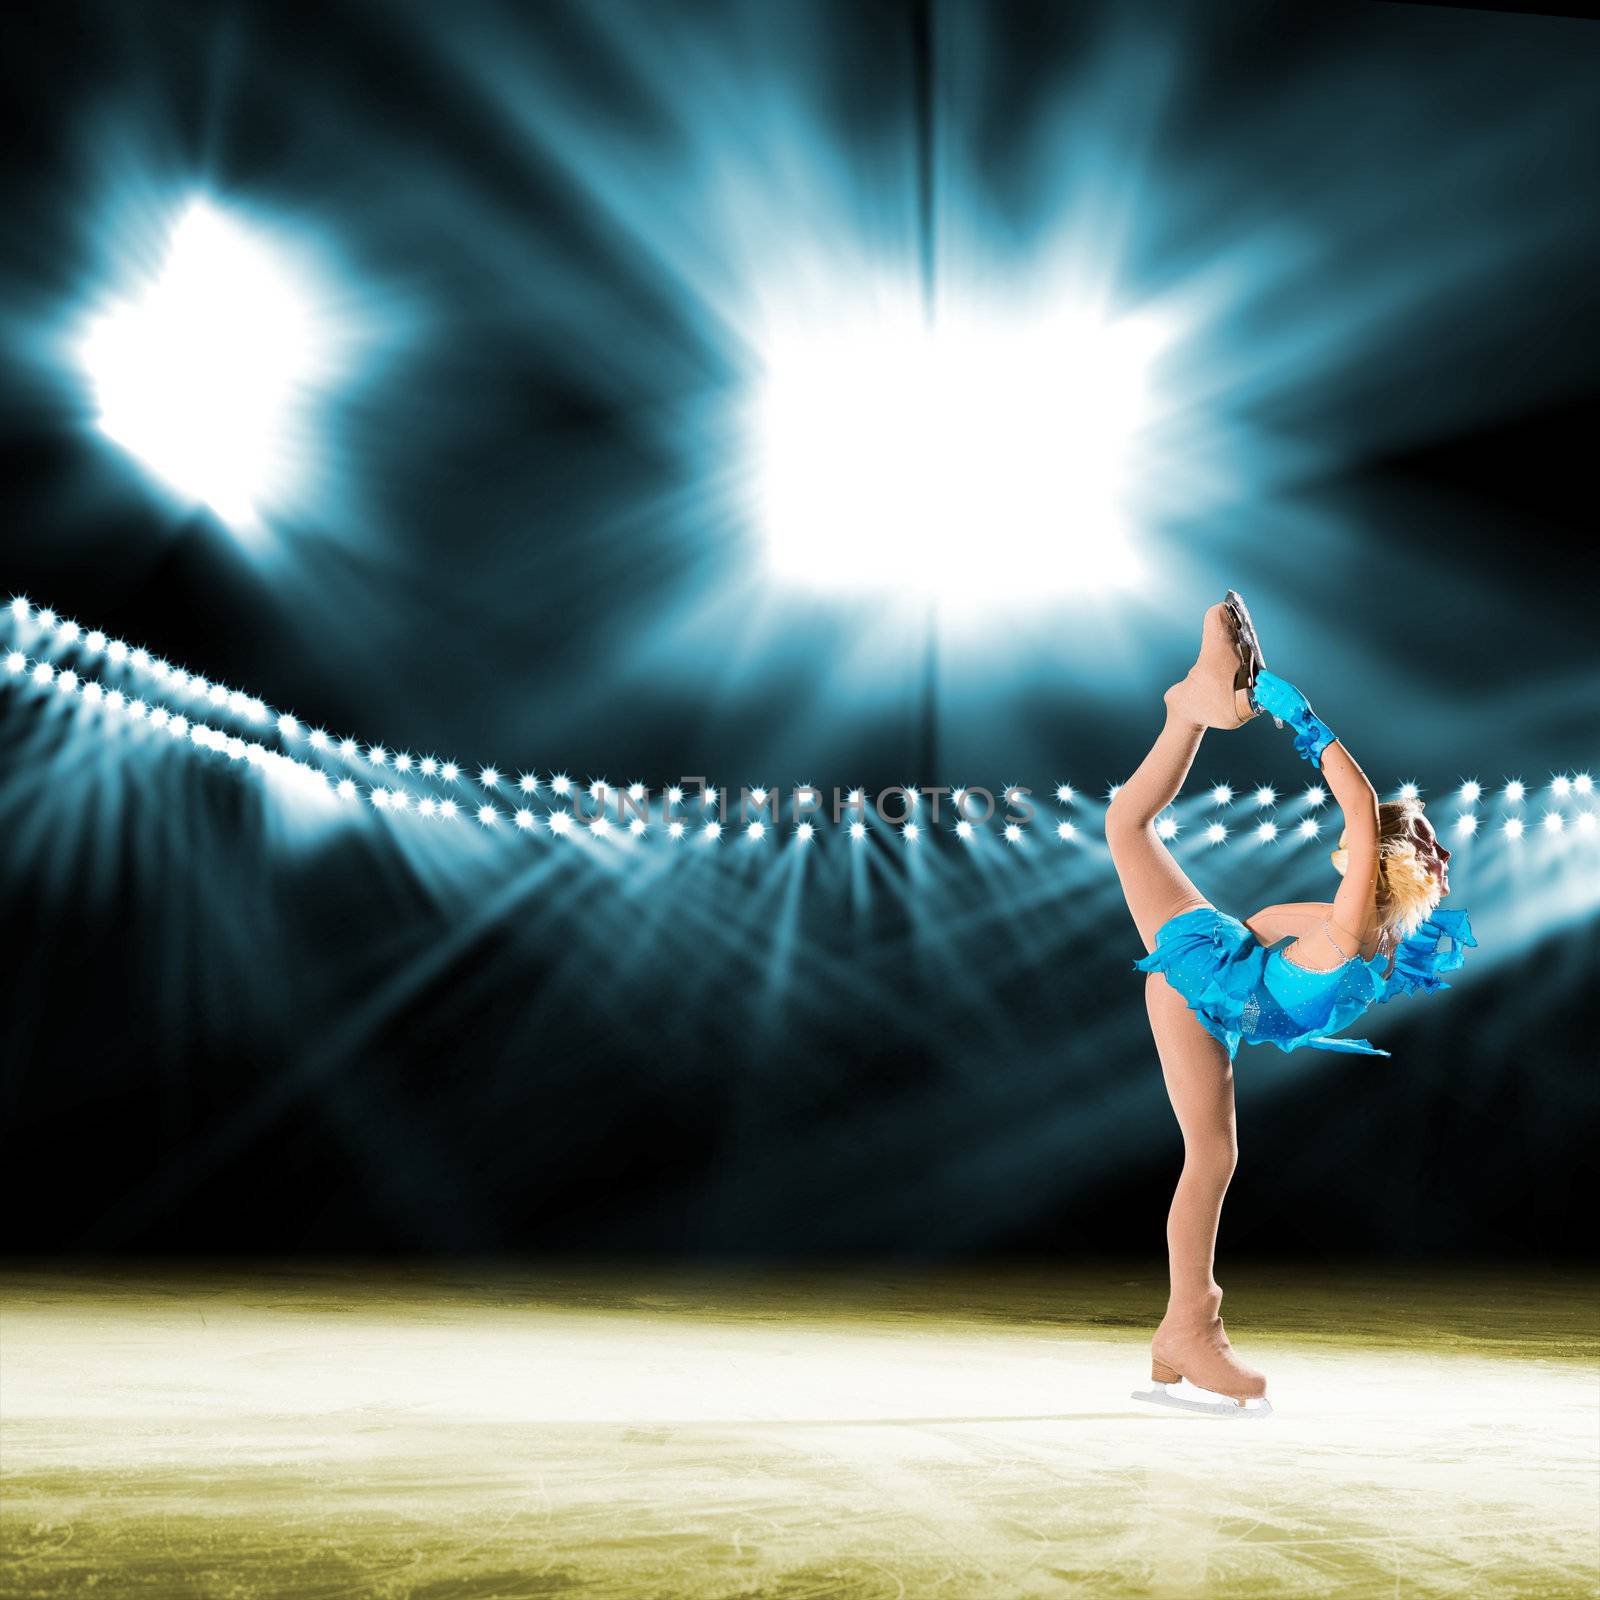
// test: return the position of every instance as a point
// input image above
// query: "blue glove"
(1284, 703)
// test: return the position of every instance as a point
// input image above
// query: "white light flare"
(204, 370)
(881, 446)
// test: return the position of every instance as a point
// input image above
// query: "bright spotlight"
(858, 831)
(1064, 830)
(1515, 790)
(1554, 822)
(1585, 822)
(1221, 794)
(1266, 795)
(882, 447)
(805, 833)
(1513, 827)
(1167, 828)
(1216, 833)
(1013, 833)
(1467, 823)
(1409, 791)
(1561, 786)
(1267, 832)
(1583, 783)
(964, 829)
(1308, 828)
(1316, 795)
(202, 372)
(1064, 793)
(1470, 791)
(911, 832)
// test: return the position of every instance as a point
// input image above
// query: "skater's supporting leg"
(1199, 1080)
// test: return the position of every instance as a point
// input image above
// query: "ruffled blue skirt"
(1241, 990)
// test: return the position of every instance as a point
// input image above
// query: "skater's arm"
(1353, 905)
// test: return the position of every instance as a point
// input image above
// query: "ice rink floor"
(474, 1432)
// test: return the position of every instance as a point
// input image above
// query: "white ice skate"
(1183, 1396)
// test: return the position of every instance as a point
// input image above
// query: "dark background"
(219, 1041)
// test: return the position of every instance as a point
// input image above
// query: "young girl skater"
(1290, 975)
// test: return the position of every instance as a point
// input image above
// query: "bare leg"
(1191, 1341)
(1154, 885)
(1199, 1081)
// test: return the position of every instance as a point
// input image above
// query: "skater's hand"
(1278, 697)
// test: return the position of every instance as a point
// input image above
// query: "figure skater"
(1290, 975)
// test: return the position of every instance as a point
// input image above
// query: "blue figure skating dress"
(1241, 989)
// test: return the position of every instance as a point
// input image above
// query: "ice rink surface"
(467, 1432)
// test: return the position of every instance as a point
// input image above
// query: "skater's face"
(1431, 853)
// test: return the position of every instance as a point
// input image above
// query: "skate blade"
(1158, 1394)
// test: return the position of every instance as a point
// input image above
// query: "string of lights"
(133, 684)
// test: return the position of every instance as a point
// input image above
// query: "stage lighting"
(911, 833)
(1221, 794)
(674, 794)
(674, 828)
(523, 818)
(1554, 822)
(203, 371)
(884, 448)
(1064, 793)
(1013, 833)
(528, 783)
(1583, 783)
(16, 663)
(1585, 822)
(1167, 828)
(1064, 831)
(1470, 791)
(1316, 795)
(1216, 833)
(1561, 786)
(489, 777)
(858, 832)
(560, 784)
(636, 827)
(1467, 823)
(756, 832)
(1307, 828)
(805, 833)
(1513, 827)
(1515, 790)
(1266, 795)
(448, 809)
(1409, 791)
(450, 772)
(964, 829)
(1267, 832)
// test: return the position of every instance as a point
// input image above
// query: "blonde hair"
(1407, 890)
